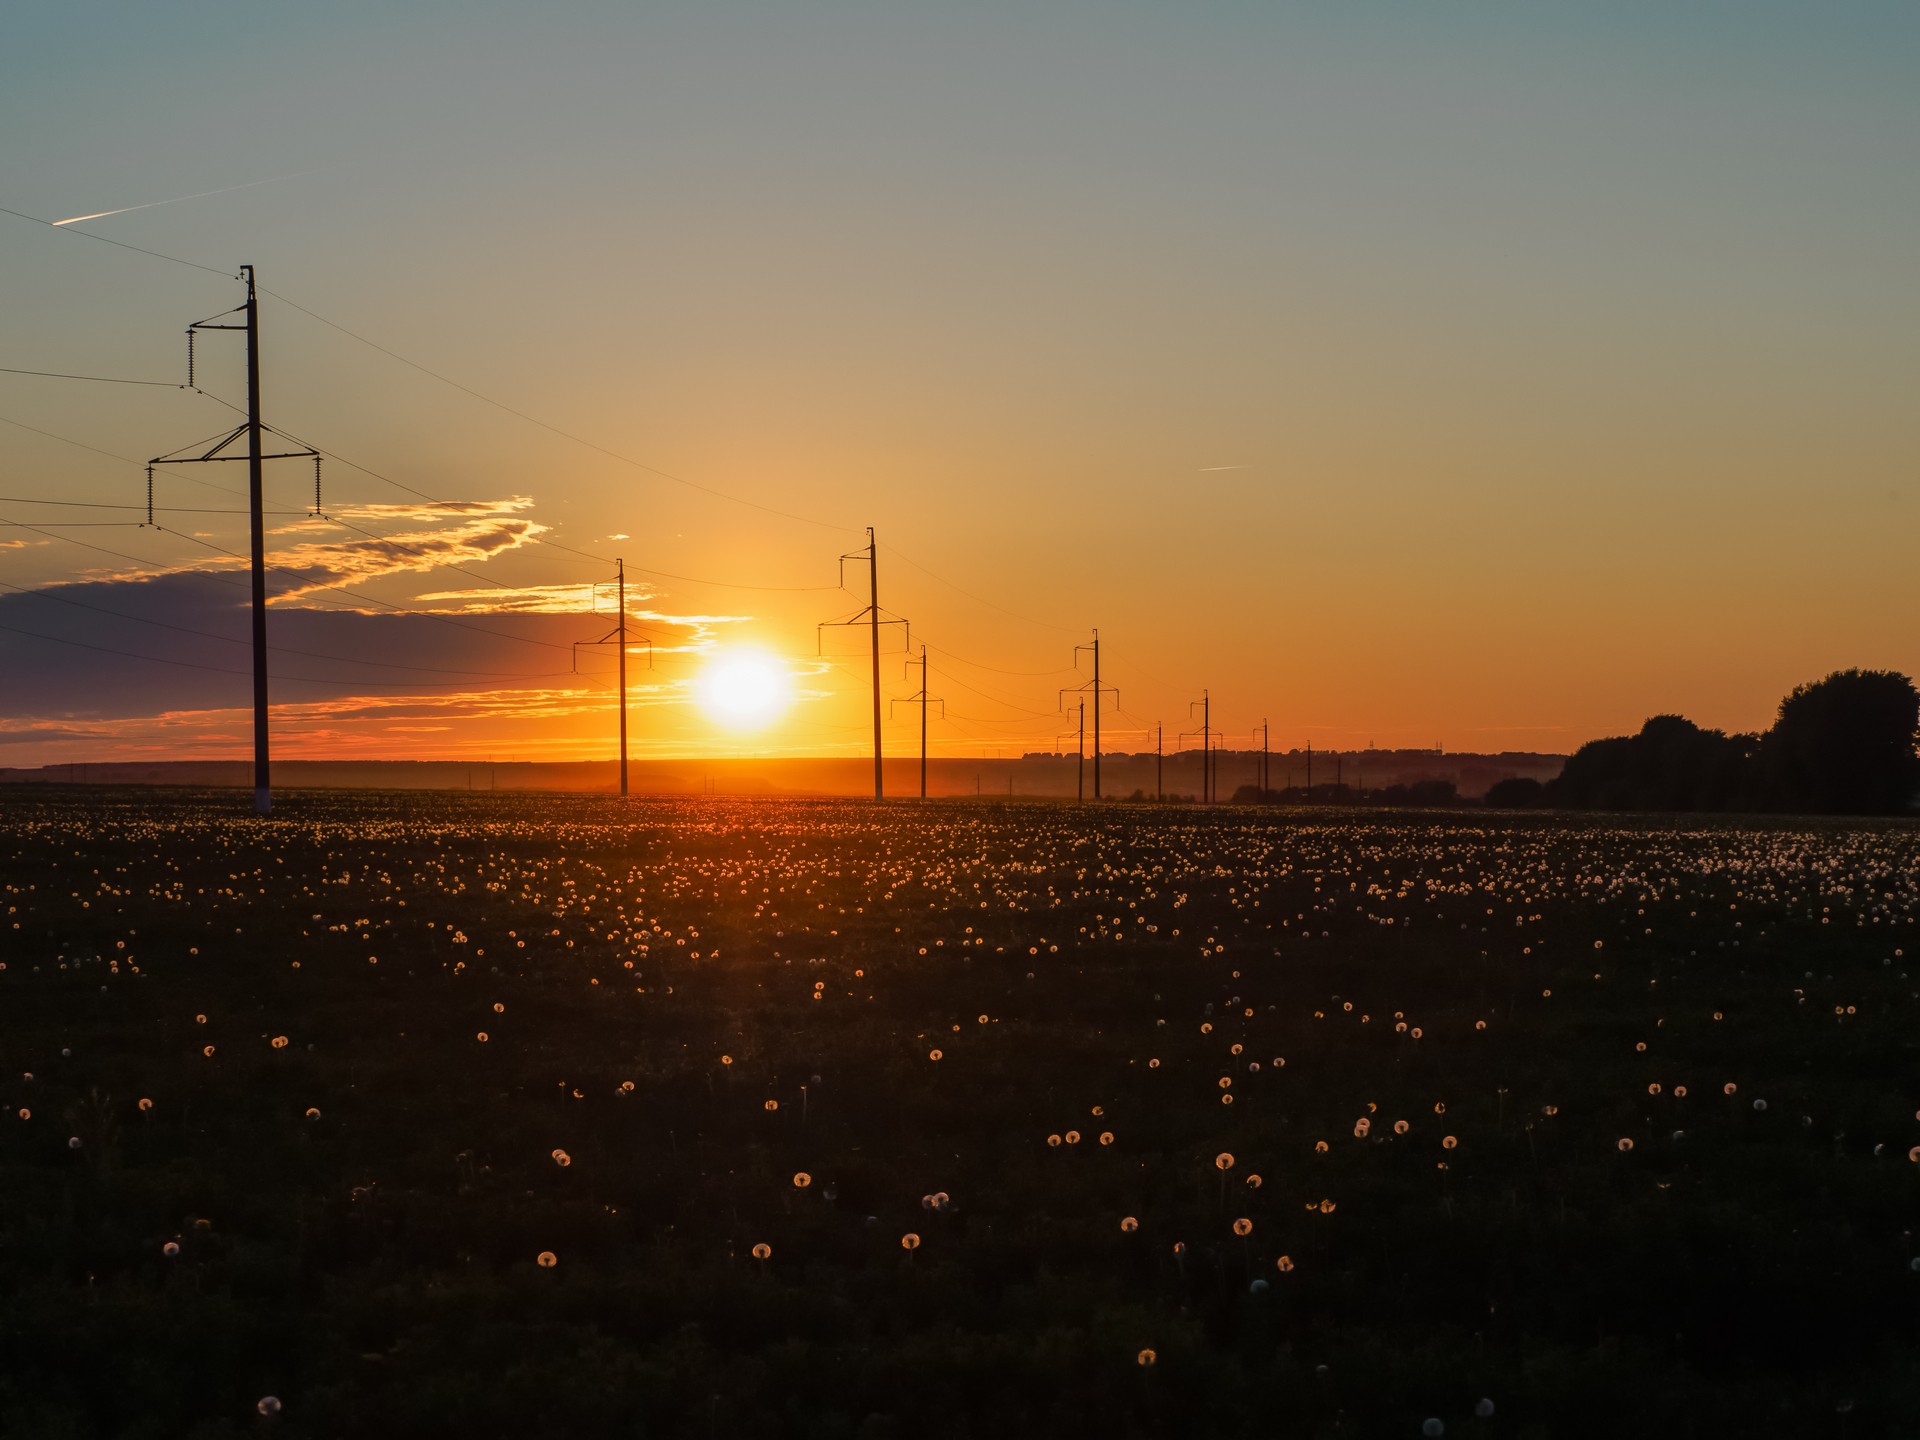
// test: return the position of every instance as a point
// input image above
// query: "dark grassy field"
(1637, 1100)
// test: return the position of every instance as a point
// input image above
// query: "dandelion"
(1327, 1207)
(1054, 1141)
(562, 1159)
(1483, 1409)
(268, 1405)
(1284, 1264)
(1729, 1088)
(312, 1113)
(1073, 1137)
(1253, 1182)
(771, 1106)
(909, 1242)
(802, 1180)
(1145, 1358)
(933, 1055)
(170, 1249)
(1243, 1227)
(1400, 1127)
(762, 1251)
(1223, 1161)
(1450, 1143)
(145, 1104)
(546, 1259)
(1625, 1145)
(481, 1037)
(73, 1142)
(1760, 1107)
(1319, 1147)
(1129, 1224)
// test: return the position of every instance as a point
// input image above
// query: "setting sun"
(744, 689)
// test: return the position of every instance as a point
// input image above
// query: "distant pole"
(1159, 761)
(1096, 713)
(1309, 770)
(1080, 783)
(873, 602)
(621, 577)
(1206, 746)
(1265, 787)
(923, 723)
(262, 758)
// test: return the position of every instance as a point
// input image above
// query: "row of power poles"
(871, 616)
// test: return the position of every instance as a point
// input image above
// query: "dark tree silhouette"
(1672, 764)
(1845, 745)
(1516, 792)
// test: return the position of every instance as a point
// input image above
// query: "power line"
(104, 240)
(978, 599)
(554, 429)
(227, 669)
(281, 649)
(102, 505)
(103, 379)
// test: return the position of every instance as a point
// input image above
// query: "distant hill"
(1031, 775)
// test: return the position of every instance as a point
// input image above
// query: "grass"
(373, 1266)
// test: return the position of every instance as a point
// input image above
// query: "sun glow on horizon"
(744, 689)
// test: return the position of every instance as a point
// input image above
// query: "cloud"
(522, 599)
(320, 565)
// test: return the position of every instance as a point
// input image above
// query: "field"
(1051, 1121)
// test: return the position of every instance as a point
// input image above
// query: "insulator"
(190, 384)
(317, 512)
(149, 495)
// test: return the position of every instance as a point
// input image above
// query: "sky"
(1481, 375)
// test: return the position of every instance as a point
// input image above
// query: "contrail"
(1209, 469)
(198, 195)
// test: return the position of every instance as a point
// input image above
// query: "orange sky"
(1492, 383)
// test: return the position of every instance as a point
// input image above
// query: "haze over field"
(1469, 376)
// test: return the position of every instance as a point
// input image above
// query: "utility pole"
(1159, 762)
(255, 457)
(617, 637)
(1080, 788)
(1265, 786)
(620, 580)
(1205, 706)
(923, 700)
(1098, 690)
(1309, 772)
(872, 617)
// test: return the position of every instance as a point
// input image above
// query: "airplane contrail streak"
(177, 199)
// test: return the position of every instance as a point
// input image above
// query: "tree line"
(1845, 745)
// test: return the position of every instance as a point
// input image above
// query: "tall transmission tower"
(1098, 690)
(618, 638)
(872, 617)
(1159, 762)
(1265, 784)
(255, 458)
(923, 700)
(1205, 706)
